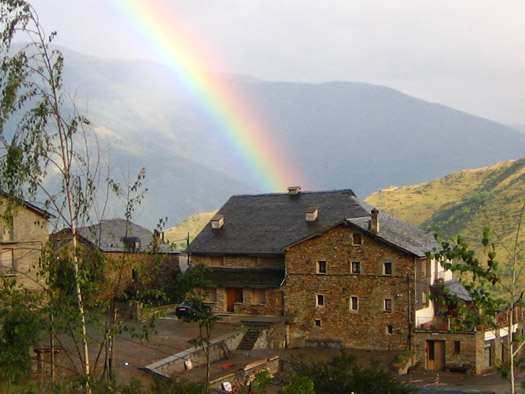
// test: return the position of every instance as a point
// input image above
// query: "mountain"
(463, 203)
(337, 134)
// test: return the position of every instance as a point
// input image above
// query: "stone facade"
(251, 300)
(272, 305)
(462, 351)
(368, 309)
(127, 270)
(239, 261)
(21, 245)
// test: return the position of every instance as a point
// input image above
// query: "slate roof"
(455, 288)
(266, 223)
(398, 233)
(242, 277)
(109, 236)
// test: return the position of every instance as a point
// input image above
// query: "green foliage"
(261, 383)
(177, 386)
(493, 290)
(344, 374)
(193, 278)
(478, 277)
(21, 325)
(299, 385)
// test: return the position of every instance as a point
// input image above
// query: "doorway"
(233, 295)
(436, 355)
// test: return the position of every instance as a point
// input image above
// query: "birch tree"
(41, 136)
(496, 286)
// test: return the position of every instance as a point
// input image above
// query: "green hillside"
(192, 226)
(463, 203)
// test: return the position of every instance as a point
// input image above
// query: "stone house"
(131, 252)
(339, 272)
(21, 242)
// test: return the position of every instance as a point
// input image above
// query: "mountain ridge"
(337, 134)
(463, 203)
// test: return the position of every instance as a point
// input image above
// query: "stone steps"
(249, 339)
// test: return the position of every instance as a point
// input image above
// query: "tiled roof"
(266, 223)
(245, 277)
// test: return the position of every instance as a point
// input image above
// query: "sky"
(469, 55)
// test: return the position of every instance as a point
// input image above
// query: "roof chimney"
(374, 221)
(217, 221)
(293, 190)
(312, 213)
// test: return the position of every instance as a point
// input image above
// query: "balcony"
(434, 323)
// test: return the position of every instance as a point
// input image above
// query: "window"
(319, 300)
(356, 267)
(388, 304)
(318, 322)
(7, 268)
(354, 303)
(131, 244)
(457, 347)
(217, 261)
(258, 296)
(389, 329)
(9, 230)
(211, 294)
(321, 267)
(134, 275)
(387, 268)
(424, 269)
(357, 239)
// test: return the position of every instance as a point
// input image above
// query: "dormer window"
(217, 221)
(357, 239)
(131, 244)
(312, 213)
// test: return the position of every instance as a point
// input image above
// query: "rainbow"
(180, 48)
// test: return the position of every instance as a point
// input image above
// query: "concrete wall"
(368, 326)
(220, 347)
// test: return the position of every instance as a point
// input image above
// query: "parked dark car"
(187, 308)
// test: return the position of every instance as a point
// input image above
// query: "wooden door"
(436, 355)
(230, 299)
(233, 295)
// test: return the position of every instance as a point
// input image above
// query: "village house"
(131, 253)
(340, 273)
(22, 238)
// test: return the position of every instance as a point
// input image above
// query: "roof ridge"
(302, 192)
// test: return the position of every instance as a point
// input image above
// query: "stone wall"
(369, 325)
(273, 337)
(272, 305)
(126, 270)
(470, 357)
(26, 239)
(239, 261)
